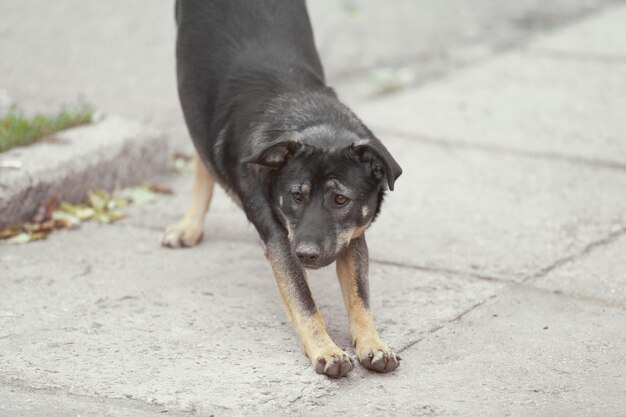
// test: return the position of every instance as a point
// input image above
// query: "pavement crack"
(440, 326)
(585, 298)
(580, 254)
(544, 52)
(440, 270)
(127, 402)
(503, 150)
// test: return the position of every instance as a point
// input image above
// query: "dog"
(309, 175)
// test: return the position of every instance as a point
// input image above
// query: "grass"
(17, 129)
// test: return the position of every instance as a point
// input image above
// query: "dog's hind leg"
(352, 270)
(188, 231)
(326, 357)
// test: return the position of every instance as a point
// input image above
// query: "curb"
(112, 152)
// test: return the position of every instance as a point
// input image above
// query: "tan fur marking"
(344, 237)
(288, 226)
(362, 327)
(311, 330)
(358, 231)
(188, 230)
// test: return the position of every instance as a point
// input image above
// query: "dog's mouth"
(316, 264)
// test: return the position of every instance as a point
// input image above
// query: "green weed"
(17, 129)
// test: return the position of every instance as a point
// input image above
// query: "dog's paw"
(378, 357)
(334, 363)
(183, 234)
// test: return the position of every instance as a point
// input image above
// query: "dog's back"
(226, 44)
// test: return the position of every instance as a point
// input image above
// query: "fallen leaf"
(46, 226)
(80, 211)
(98, 199)
(101, 207)
(45, 211)
(101, 217)
(38, 235)
(19, 239)
(10, 232)
(160, 188)
(391, 79)
(115, 215)
(30, 227)
(65, 219)
(139, 195)
(183, 166)
(120, 201)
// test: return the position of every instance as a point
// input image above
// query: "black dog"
(306, 171)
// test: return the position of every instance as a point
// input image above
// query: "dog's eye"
(297, 196)
(341, 200)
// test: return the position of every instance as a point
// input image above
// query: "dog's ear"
(374, 152)
(277, 153)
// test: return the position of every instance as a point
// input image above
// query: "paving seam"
(525, 285)
(575, 56)
(440, 270)
(607, 240)
(447, 143)
(455, 319)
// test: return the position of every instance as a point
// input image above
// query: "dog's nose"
(308, 252)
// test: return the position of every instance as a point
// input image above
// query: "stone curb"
(112, 152)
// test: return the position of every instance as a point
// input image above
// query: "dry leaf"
(10, 232)
(160, 188)
(45, 211)
(139, 195)
(183, 166)
(101, 207)
(64, 219)
(23, 237)
(98, 199)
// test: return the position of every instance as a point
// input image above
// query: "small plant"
(17, 129)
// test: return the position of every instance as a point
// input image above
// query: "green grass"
(17, 129)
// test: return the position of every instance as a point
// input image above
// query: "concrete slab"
(457, 209)
(55, 57)
(518, 103)
(601, 37)
(100, 155)
(506, 217)
(524, 353)
(24, 402)
(599, 276)
(121, 62)
(225, 221)
(199, 329)
(353, 36)
(103, 320)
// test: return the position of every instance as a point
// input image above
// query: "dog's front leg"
(324, 354)
(352, 270)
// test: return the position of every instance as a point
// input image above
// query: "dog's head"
(326, 190)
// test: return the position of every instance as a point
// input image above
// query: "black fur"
(262, 119)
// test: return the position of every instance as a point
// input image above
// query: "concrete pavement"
(498, 268)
